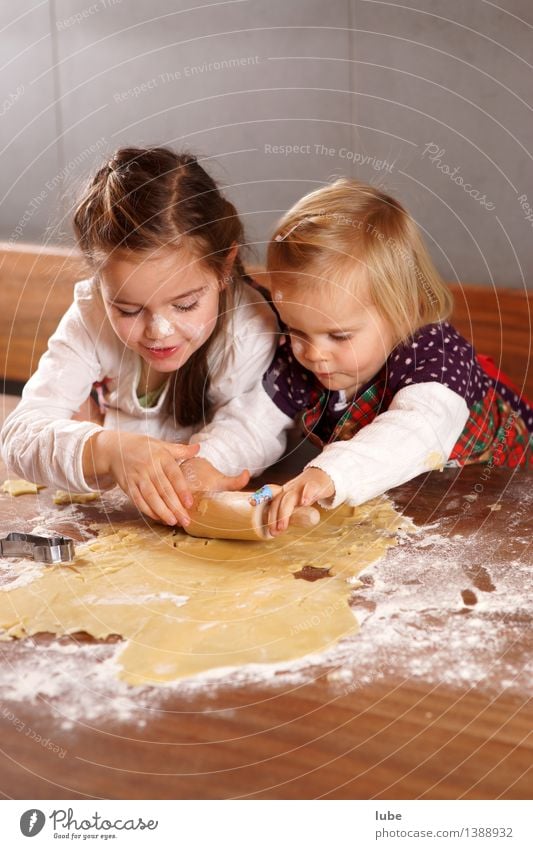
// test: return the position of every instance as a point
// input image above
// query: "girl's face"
(338, 334)
(163, 305)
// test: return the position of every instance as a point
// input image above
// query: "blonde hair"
(331, 230)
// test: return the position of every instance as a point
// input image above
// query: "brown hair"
(331, 230)
(144, 199)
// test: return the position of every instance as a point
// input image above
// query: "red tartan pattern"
(494, 433)
(362, 411)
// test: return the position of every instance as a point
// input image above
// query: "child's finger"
(141, 504)
(288, 506)
(174, 491)
(272, 515)
(310, 493)
(281, 511)
(157, 504)
(179, 485)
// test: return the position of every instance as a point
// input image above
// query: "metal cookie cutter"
(54, 549)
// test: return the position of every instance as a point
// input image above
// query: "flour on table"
(414, 626)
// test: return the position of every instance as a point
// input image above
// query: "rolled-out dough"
(186, 605)
(17, 486)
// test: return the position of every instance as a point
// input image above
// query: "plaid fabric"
(494, 433)
(362, 411)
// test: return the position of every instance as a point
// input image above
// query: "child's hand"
(201, 475)
(302, 491)
(146, 469)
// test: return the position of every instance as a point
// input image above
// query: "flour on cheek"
(194, 331)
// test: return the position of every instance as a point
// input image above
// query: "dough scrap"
(185, 605)
(17, 486)
(63, 496)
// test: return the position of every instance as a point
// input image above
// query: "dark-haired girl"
(166, 328)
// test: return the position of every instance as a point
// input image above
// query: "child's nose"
(314, 354)
(159, 327)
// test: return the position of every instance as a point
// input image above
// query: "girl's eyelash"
(179, 307)
(186, 307)
(341, 337)
(125, 312)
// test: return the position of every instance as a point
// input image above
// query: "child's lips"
(161, 353)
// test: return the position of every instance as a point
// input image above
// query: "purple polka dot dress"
(500, 426)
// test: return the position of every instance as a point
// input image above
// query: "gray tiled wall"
(280, 97)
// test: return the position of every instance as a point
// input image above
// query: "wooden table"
(386, 736)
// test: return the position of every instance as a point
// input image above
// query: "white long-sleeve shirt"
(41, 442)
(416, 434)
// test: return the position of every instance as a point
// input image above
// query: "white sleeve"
(416, 434)
(247, 430)
(40, 442)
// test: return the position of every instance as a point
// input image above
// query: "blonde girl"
(166, 329)
(370, 366)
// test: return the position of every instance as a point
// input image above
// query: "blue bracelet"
(262, 495)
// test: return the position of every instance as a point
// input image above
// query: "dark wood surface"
(395, 737)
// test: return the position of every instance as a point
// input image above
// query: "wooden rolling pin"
(230, 515)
